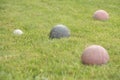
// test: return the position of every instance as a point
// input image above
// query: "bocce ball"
(95, 55)
(59, 31)
(18, 32)
(101, 15)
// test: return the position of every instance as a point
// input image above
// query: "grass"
(33, 56)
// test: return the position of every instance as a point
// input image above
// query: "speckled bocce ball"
(95, 55)
(101, 15)
(59, 31)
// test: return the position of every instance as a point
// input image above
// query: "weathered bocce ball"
(59, 31)
(95, 55)
(101, 15)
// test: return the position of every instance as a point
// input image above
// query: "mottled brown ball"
(95, 55)
(101, 15)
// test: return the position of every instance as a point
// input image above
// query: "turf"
(33, 56)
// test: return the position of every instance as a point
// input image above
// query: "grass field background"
(33, 56)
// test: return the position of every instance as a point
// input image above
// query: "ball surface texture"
(95, 55)
(101, 15)
(59, 31)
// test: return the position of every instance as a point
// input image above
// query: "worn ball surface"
(18, 32)
(95, 55)
(59, 31)
(101, 15)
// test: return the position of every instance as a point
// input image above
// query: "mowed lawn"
(33, 56)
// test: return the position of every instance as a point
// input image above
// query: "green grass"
(33, 56)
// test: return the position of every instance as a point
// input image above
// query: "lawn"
(33, 56)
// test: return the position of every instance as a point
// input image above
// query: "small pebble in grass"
(59, 31)
(101, 15)
(18, 32)
(95, 55)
